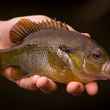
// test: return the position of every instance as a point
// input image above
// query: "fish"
(50, 49)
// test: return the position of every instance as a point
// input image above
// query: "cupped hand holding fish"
(36, 82)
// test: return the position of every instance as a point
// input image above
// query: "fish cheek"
(93, 68)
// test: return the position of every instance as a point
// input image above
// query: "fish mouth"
(106, 70)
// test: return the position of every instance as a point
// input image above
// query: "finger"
(9, 73)
(28, 83)
(86, 34)
(92, 88)
(46, 85)
(75, 88)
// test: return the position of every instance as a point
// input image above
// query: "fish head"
(85, 57)
(96, 62)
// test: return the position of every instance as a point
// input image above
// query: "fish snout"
(106, 69)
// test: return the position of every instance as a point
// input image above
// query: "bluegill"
(52, 50)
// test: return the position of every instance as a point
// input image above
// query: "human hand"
(36, 82)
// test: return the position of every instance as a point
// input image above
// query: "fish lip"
(106, 67)
(106, 70)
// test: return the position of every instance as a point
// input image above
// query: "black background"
(92, 16)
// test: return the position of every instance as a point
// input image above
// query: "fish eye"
(97, 54)
(66, 49)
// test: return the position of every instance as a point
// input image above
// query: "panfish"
(50, 49)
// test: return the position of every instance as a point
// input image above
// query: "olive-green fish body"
(61, 55)
(40, 54)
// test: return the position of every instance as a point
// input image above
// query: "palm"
(36, 82)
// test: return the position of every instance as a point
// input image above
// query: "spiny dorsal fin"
(24, 27)
(52, 24)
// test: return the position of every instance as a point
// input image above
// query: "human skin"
(36, 82)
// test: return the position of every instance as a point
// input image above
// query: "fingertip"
(75, 88)
(45, 84)
(53, 85)
(92, 88)
(86, 34)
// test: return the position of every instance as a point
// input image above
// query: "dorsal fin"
(24, 27)
(52, 24)
(21, 29)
